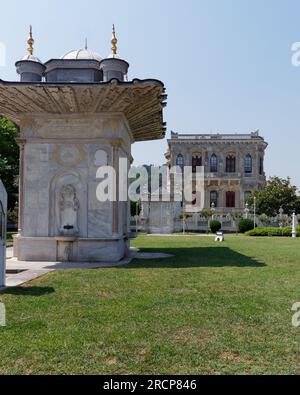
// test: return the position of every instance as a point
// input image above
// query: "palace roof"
(216, 137)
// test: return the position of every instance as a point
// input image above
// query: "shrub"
(245, 225)
(265, 219)
(206, 213)
(237, 216)
(279, 232)
(185, 215)
(215, 226)
(12, 215)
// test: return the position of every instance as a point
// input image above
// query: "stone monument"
(3, 224)
(75, 114)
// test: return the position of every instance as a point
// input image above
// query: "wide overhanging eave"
(141, 101)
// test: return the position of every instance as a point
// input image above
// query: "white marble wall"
(66, 150)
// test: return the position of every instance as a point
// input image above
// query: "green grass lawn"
(211, 309)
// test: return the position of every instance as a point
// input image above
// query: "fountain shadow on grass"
(197, 257)
(29, 291)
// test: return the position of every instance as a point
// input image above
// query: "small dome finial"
(86, 44)
(114, 42)
(30, 41)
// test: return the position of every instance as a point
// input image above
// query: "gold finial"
(30, 41)
(114, 42)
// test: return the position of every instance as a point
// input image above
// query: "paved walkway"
(19, 273)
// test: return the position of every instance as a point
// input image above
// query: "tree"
(206, 213)
(278, 192)
(9, 160)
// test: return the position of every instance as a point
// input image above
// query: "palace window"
(261, 166)
(230, 164)
(230, 199)
(214, 198)
(213, 164)
(180, 161)
(248, 164)
(196, 162)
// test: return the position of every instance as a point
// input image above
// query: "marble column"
(21, 144)
(115, 205)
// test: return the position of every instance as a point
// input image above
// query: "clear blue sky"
(226, 64)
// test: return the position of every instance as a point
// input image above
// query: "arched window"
(230, 199)
(247, 196)
(230, 164)
(214, 198)
(196, 162)
(213, 164)
(261, 166)
(248, 164)
(180, 161)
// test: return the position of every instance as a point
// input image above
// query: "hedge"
(245, 225)
(215, 226)
(281, 232)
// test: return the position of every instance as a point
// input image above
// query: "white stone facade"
(61, 217)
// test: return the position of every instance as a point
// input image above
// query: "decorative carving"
(69, 207)
(69, 155)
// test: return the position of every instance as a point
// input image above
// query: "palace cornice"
(218, 142)
(141, 102)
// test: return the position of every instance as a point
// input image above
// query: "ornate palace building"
(233, 165)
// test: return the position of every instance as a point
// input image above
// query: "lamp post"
(254, 209)
(213, 210)
(294, 231)
(136, 217)
(281, 216)
(246, 211)
(183, 218)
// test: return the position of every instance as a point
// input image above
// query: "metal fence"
(197, 223)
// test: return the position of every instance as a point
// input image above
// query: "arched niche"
(68, 205)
